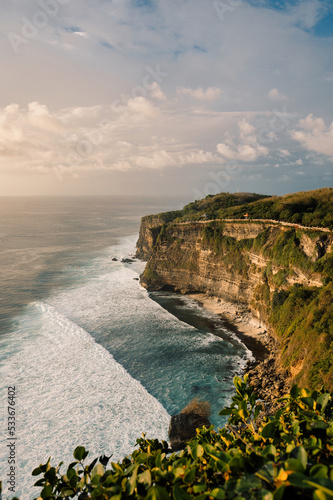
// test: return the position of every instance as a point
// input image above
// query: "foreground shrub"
(285, 456)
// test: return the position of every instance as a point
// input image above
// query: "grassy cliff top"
(308, 208)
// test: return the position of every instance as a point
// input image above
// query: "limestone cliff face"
(184, 262)
(182, 257)
(149, 229)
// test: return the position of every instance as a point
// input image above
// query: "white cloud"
(248, 148)
(315, 136)
(141, 106)
(229, 77)
(133, 136)
(284, 152)
(156, 92)
(210, 94)
(276, 95)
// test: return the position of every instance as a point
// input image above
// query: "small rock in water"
(114, 259)
(183, 426)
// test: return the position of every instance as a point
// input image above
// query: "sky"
(165, 97)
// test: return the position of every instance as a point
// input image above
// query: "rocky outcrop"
(269, 380)
(149, 230)
(183, 428)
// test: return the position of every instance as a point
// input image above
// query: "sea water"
(94, 358)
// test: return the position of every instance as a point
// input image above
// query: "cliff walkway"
(271, 222)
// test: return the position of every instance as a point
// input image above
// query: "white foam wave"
(71, 391)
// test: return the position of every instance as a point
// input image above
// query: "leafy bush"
(280, 457)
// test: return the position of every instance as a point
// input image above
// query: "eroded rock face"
(183, 427)
(149, 230)
(188, 265)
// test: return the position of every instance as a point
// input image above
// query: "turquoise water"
(94, 358)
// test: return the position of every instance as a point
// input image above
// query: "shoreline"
(269, 380)
(240, 321)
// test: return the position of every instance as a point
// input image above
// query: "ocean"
(94, 359)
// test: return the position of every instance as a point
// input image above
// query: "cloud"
(315, 136)
(132, 136)
(276, 95)
(156, 92)
(248, 148)
(102, 97)
(284, 152)
(210, 94)
(141, 106)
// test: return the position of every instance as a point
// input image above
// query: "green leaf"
(40, 482)
(257, 411)
(301, 455)
(46, 491)
(319, 424)
(269, 430)
(131, 483)
(65, 491)
(278, 494)
(217, 493)
(190, 476)
(180, 494)
(98, 470)
(117, 468)
(79, 452)
(319, 471)
(70, 473)
(238, 382)
(197, 451)
(298, 480)
(294, 464)
(270, 450)
(243, 414)
(323, 400)
(157, 492)
(294, 392)
(198, 488)
(309, 402)
(319, 495)
(36, 471)
(325, 485)
(226, 411)
(145, 478)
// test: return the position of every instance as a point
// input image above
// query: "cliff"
(281, 271)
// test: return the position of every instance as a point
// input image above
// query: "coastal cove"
(234, 324)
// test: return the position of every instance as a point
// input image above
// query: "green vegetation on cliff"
(285, 456)
(302, 316)
(309, 208)
(290, 269)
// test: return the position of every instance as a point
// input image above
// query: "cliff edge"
(279, 270)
